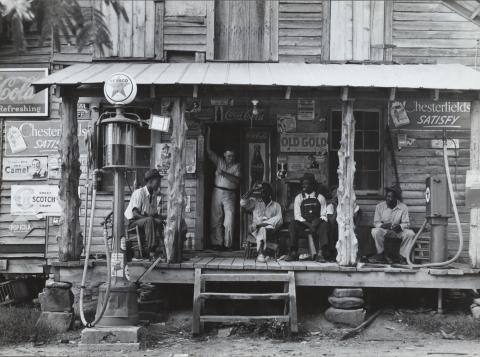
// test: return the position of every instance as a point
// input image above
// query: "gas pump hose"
(457, 220)
(87, 255)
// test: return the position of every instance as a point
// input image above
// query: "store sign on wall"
(25, 168)
(17, 97)
(32, 138)
(31, 200)
(20, 227)
(304, 142)
(430, 115)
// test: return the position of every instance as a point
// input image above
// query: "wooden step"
(237, 318)
(244, 296)
(246, 277)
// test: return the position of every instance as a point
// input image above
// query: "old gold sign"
(303, 142)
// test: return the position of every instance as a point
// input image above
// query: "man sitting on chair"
(267, 216)
(391, 233)
(310, 212)
(142, 212)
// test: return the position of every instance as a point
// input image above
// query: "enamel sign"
(30, 200)
(120, 88)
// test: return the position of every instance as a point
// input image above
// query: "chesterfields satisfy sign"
(430, 115)
(17, 97)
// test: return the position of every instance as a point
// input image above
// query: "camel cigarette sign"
(17, 97)
(25, 168)
(34, 199)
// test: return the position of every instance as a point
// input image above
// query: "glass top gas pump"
(118, 153)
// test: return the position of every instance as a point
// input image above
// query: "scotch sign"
(17, 97)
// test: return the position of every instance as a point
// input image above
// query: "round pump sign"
(120, 88)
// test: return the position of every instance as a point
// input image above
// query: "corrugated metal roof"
(440, 76)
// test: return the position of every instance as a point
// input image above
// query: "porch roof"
(421, 76)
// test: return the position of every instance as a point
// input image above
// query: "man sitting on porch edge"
(310, 213)
(391, 233)
(267, 216)
(142, 212)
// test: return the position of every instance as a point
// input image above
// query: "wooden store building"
(360, 94)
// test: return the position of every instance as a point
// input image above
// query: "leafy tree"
(57, 18)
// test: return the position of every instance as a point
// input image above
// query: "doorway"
(223, 137)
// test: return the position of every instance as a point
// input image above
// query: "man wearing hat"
(142, 211)
(310, 213)
(391, 233)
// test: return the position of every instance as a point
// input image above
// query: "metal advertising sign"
(120, 88)
(17, 98)
(304, 142)
(20, 227)
(33, 138)
(432, 115)
(25, 168)
(30, 200)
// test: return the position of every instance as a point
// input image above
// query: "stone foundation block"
(348, 292)
(347, 317)
(56, 300)
(109, 347)
(110, 335)
(55, 321)
(346, 302)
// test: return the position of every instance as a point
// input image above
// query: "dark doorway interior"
(222, 137)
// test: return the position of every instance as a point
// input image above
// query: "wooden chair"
(251, 245)
(134, 240)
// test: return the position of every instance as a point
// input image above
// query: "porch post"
(176, 183)
(70, 242)
(474, 248)
(347, 245)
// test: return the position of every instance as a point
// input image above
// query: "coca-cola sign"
(17, 97)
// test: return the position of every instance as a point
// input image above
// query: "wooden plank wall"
(185, 27)
(300, 30)
(415, 163)
(430, 32)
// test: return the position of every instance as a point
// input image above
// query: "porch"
(307, 273)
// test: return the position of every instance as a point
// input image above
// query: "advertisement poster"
(430, 115)
(34, 199)
(286, 123)
(304, 142)
(33, 138)
(20, 227)
(55, 165)
(17, 97)
(306, 109)
(191, 156)
(257, 155)
(25, 168)
(163, 157)
(314, 164)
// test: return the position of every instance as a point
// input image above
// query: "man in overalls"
(227, 179)
(310, 213)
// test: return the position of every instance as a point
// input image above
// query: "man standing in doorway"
(227, 179)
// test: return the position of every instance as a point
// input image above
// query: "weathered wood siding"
(430, 32)
(300, 30)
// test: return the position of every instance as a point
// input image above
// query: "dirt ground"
(387, 336)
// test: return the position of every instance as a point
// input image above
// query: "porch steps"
(200, 295)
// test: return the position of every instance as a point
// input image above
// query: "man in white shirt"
(391, 234)
(310, 213)
(267, 217)
(227, 179)
(142, 211)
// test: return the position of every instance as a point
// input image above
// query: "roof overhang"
(450, 77)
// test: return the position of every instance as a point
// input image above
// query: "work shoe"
(320, 259)
(293, 256)
(261, 258)
(377, 259)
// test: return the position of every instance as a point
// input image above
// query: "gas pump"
(439, 197)
(117, 302)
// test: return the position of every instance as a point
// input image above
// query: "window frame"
(381, 129)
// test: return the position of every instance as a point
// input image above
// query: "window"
(368, 175)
